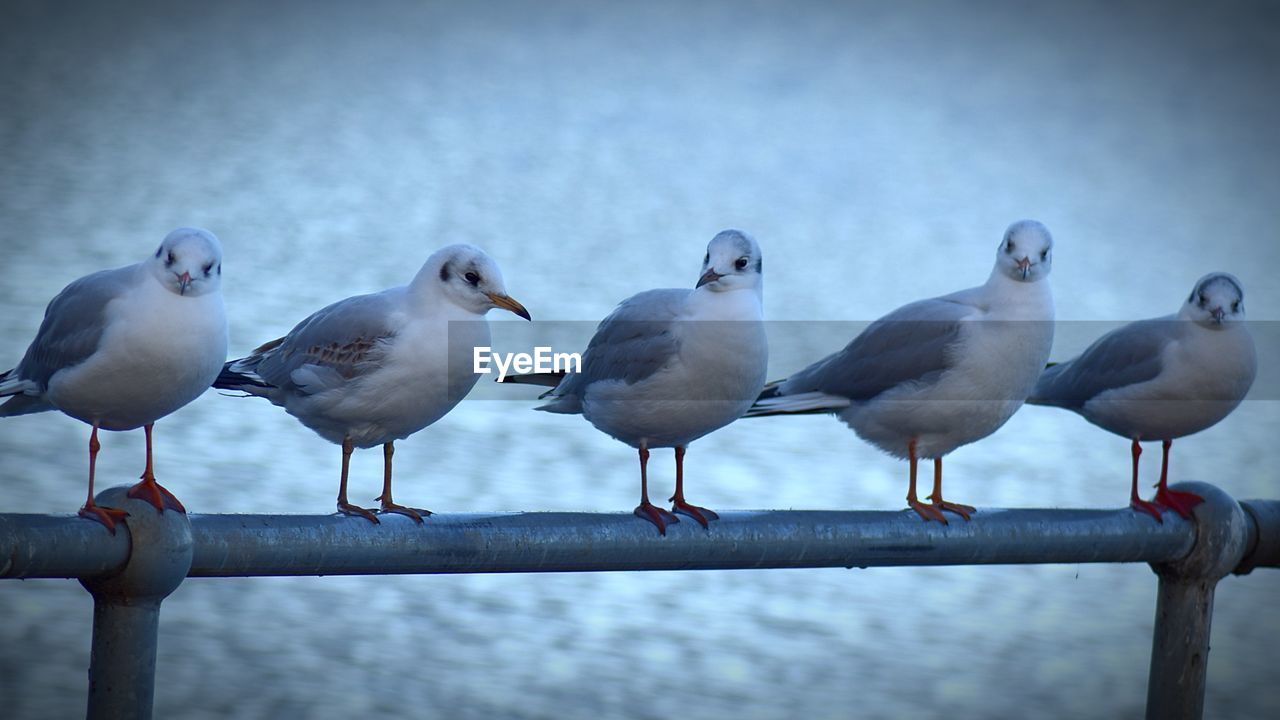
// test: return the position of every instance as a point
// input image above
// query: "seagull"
(939, 373)
(122, 348)
(373, 369)
(1162, 378)
(668, 366)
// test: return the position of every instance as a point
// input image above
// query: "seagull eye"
(741, 263)
(1008, 246)
(208, 268)
(471, 278)
(1044, 255)
(170, 260)
(1235, 306)
(706, 259)
(1203, 299)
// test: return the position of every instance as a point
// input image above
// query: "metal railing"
(130, 573)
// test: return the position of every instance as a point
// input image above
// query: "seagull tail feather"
(545, 379)
(773, 402)
(235, 377)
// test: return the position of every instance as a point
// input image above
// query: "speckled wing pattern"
(333, 346)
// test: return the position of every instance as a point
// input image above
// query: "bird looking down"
(121, 348)
(940, 373)
(671, 365)
(1162, 379)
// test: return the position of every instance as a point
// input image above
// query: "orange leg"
(927, 512)
(1179, 501)
(150, 490)
(345, 507)
(962, 510)
(647, 510)
(701, 514)
(388, 449)
(1136, 502)
(92, 510)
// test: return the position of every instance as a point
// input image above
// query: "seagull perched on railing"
(671, 365)
(939, 373)
(122, 348)
(1162, 378)
(373, 369)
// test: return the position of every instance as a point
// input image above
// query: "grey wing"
(911, 344)
(635, 341)
(1125, 356)
(334, 345)
(73, 324)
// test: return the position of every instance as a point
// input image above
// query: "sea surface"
(877, 151)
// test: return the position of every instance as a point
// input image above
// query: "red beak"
(708, 277)
(1025, 266)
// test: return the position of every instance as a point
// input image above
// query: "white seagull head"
(1026, 252)
(470, 279)
(1216, 301)
(188, 262)
(733, 262)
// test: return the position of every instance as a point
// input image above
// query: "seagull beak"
(184, 282)
(1218, 314)
(1025, 266)
(506, 302)
(709, 276)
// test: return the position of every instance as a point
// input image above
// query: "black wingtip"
(547, 379)
(771, 390)
(229, 379)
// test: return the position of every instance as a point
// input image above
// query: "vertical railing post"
(1184, 606)
(126, 608)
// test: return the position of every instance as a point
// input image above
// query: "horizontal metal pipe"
(245, 545)
(59, 546)
(1262, 548)
(33, 546)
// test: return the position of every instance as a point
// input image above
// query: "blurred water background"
(876, 150)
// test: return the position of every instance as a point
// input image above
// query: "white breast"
(426, 372)
(719, 371)
(158, 352)
(1205, 375)
(1005, 345)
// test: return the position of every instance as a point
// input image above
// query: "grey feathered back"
(635, 341)
(73, 323)
(1125, 356)
(895, 349)
(331, 346)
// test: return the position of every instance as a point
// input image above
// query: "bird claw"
(701, 514)
(1178, 501)
(416, 514)
(356, 510)
(153, 492)
(1147, 507)
(963, 511)
(656, 515)
(927, 511)
(106, 516)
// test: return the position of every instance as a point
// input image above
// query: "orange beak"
(506, 302)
